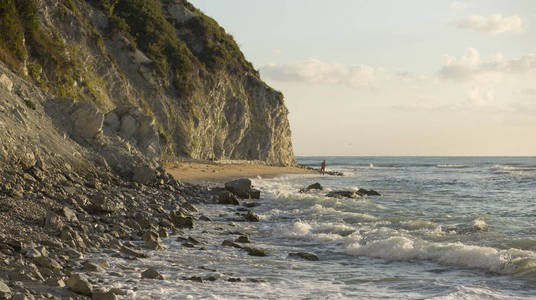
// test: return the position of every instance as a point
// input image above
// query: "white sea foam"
(511, 261)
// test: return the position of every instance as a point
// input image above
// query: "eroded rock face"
(132, 124)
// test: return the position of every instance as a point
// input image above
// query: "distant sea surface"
(443, 228)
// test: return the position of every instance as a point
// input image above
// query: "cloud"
(472, 67)
(458, 5)
(480, 97)
(316, 71)
(528, 92)
(492, 24)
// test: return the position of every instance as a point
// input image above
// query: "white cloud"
(458, 5)
(481, 97)
(472, 67)
(492, 24)
(316, 71)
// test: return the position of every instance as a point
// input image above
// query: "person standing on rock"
(323, 167)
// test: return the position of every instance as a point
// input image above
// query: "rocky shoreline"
(54, 227)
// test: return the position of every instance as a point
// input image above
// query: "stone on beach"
(79, 283)
(151, 274)
(242, 188)
(226, 197)
(5, 291)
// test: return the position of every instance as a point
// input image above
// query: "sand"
(221, 172)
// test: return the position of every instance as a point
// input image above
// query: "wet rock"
(180, 220)
(229, 243)
(314, 186)
(251, 217)
(242, 188)
(251, 204)
(79, 284)
(151, 274)
(193, 241)
(364, 192)
(92, 267)
(103, 295)
(194, 278)
(152, 240)
(342, 194)
(205, 218)
(227, 197)
(303, 255)
(132, 252)
(234, 279)
(242, 239)
(188, 245)
(256, 251)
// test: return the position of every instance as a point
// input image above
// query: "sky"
(390, 77)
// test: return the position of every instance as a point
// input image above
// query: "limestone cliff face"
(207, 101)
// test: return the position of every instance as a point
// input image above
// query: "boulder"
(180, 220)
(242, 188)
(314, 186)
(364, 192)
(151, 274)
(93, 267)
(227, 197)
(69, 214)
(255, 251)
(242, 239)
(47, 262)
(5, 291)
(87, 120)
(303, 255)
(132, 252)
(144, 175)
(342, 194)
(104, 204)
(229, 243)
(79, 284)
(6, 82)
(103, 295)
(251, 217)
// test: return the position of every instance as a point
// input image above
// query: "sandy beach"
(220, 172)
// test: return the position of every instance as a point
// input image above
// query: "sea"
(443, 228)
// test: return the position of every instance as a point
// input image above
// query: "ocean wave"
(507, 262)
(452, 166)
(318, 232)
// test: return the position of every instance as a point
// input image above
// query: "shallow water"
(444, 228)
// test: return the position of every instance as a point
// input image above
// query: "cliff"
(158, 75)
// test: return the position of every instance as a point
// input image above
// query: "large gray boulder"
(87, 120)
(242, 188)
(79, 284)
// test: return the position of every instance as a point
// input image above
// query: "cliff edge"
(157, 75)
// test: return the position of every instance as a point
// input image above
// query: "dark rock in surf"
(342, 194)
(364, 192)
(227, 197)
(314, 186)
(242, 188)
(251, 217)
(255, 251)
(151, 274)
(303, 255)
